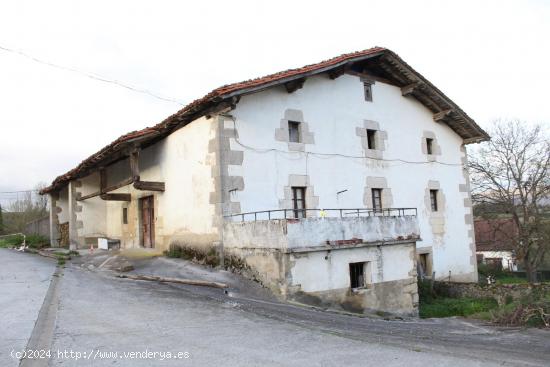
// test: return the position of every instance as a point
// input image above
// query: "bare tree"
(31, 207)
(511, 179)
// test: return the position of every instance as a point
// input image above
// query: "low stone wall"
(501, 293)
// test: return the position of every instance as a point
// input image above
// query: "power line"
(16, 192)
(91, 75)
(320, 154)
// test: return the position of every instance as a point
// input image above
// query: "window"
(429, 145)
(299, 201)
(376, 199)
(124, 215)
(360, 275)
(433, 200)
(371, 139)
(294, 131)
(368, 91)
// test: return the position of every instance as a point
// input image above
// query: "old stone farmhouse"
(335, 183)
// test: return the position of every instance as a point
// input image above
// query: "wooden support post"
(134, 164)
(102, 179)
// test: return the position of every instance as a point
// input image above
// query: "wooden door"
(147, 222)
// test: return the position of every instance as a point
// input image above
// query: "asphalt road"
(100, 320)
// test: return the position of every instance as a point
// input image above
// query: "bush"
(33, 240)
(11, 241)
(189, 253)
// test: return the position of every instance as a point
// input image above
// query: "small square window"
(376, 199)
(294, 131)
(368, 91)
(429, 145)
(433, 200)
(124, 215)
(371, 139)
(360, 275)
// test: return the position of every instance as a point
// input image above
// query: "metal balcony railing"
(303, 213)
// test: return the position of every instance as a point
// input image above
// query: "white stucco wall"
(508, 261)
(334, 109)
(182, 213)
(315, 273)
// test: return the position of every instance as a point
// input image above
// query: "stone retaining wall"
(501, 293)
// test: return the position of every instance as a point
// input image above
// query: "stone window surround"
(306, 136)
(377, 183)
(380, 139)
(436, 219)
(312, 201)
(436, 148)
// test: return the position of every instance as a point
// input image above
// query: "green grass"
(446, 307)
(510, 279)
(33, 241)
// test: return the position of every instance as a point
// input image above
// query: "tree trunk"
(531, 272)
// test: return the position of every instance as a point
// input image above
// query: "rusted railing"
(303, 213)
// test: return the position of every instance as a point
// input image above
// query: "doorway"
(146, 205)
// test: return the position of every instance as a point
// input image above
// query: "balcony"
(305, 230)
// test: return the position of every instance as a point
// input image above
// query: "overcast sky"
(490, 57)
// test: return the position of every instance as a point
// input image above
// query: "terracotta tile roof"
(194, 109)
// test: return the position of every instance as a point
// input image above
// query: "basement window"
(429, 145)
(124, 215)
(294, 131)
(371, 139)
(368, 91)
(360, 275)
(433, 200)
(376, 199)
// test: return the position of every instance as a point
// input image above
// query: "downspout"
(219, 161)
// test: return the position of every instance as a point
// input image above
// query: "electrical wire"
(268, 150)
(91, 76)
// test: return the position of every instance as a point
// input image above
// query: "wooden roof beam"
(441, 115)
(410, 88)
(293, 85)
